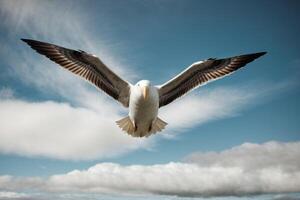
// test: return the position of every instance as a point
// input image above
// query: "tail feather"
(158, 125)
(126, 125)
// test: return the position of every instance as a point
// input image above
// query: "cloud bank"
(58, 130)
(252, 157)
(248, 169)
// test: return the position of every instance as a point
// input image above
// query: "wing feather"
(87, 66)
(200, 73)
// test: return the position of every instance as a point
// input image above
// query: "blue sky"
(54, 122)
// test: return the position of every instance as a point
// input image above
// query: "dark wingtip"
(25, 40)
(30, 42)
(259, 54)
(253, 55)
(262, 53)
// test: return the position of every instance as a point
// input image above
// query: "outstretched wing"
(87, 66)
(199, 73)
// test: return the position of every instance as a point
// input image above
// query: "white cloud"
(268, 172)
(59, 130)
(253, 157)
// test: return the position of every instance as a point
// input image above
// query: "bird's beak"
(145, 91)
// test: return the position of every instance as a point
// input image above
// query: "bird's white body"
(143, 111)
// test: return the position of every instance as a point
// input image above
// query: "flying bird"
(143, 99)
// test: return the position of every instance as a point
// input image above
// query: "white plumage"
(143, 99)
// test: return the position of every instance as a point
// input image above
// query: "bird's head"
(144, 85)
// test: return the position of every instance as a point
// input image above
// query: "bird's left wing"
(200, 73)
(87, 66)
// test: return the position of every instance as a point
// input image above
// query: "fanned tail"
(157, 126)
(126, 125)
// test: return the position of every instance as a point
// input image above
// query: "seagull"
(142, 99)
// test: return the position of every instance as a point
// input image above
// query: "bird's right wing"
(87, 66)
(200, 73)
